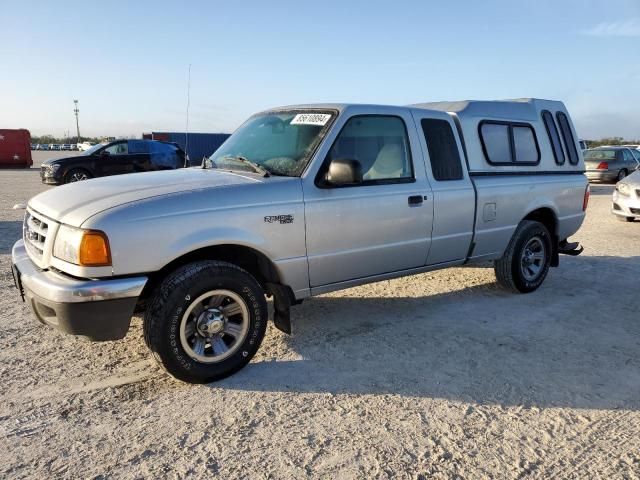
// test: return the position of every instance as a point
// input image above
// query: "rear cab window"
(443, 149)
(600, 154)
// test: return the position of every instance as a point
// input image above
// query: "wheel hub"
(210, 322)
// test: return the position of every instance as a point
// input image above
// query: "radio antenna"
(186, 135)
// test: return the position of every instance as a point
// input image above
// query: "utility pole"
(76, 111)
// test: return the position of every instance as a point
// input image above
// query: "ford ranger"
(300, 201)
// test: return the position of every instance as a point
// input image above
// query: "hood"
(632, 180)
(52, 161)
(75, 202)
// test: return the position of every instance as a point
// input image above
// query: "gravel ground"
(440, 375)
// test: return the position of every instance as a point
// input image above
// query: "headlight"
(54, 167)
(89, 248)
(623, 189)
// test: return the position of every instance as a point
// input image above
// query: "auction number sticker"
(311, 119)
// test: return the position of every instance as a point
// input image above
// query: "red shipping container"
(15, 148)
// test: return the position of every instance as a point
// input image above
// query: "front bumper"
(601, 175)
(626, 206)
(97, 309)
(50, 177)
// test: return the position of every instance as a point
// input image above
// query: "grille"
(35, 231)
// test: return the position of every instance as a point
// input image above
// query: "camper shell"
(548, 120)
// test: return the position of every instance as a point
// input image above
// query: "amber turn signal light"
(94, 250)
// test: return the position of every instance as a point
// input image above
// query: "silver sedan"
(626, 198)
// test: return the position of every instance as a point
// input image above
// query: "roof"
(523, 108)
(526, 109)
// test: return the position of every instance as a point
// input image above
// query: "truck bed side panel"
(504, 200)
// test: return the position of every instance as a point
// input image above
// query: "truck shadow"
(573, 343)
(10, 231)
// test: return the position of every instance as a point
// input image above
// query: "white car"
(84, 146)
(626, 198)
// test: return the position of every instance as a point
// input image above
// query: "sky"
(127, 62)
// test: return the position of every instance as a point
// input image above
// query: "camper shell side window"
(509, 143)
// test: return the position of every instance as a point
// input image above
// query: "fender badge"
(279, 219)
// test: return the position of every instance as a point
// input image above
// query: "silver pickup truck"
(301, 201)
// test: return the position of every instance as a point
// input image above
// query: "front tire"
(206, 321)
(76, 175)
(625, 219)
(621, 175)
(526, 262)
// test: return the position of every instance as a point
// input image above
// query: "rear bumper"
(601, 175)
(96, 309)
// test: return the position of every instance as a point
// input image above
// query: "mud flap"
(573, 248)
(281, 306)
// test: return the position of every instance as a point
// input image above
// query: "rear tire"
(526, 262)
(206, 321)
(625, 219)
(77, 175)
(621, 175)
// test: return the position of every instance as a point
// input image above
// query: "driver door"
(380, 225)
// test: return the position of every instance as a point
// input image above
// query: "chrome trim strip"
(59, 288)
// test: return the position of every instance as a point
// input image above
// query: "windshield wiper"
(256, 166)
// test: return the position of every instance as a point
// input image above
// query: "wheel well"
(545, 216)
(254, 262)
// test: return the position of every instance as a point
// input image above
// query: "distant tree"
(611, 141)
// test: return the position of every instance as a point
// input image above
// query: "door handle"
(415, 200)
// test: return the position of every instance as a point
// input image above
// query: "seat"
(389, 163)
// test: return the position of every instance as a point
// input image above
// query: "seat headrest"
(389, 162)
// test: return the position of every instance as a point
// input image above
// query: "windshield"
(280, 143)
(91, 150)
(600, 155)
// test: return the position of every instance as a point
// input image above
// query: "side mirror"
(344, 172)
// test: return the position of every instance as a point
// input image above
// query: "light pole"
(76, 111)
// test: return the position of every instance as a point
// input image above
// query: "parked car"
(74, 146)
(33, 146)
(626, 198)
(301, 201)
(610, 164)
(115, 158)
(65, 147)
(584, 145)
(84, 146)
(43, 146)
(54, 146)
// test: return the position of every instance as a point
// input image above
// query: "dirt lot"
(439, 375)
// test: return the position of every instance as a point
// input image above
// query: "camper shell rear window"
(509, 143)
